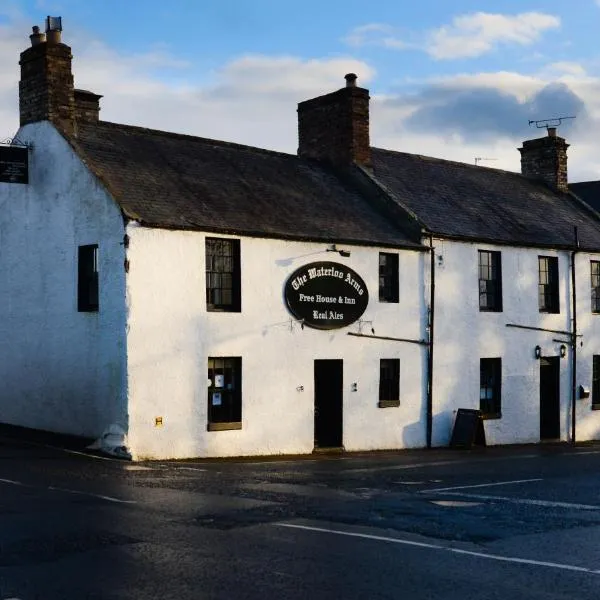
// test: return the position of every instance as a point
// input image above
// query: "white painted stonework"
(171, 335)
(61, 370)
(463, 335)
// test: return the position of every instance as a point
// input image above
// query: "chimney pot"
(551, 131)
(36, 37)
(350, 80)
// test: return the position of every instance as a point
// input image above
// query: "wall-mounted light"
(344, 253)
(354, 387)
(563, 350)
(538, 352)
(300, 388)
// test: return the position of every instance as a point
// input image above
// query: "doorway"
(329, 381)
(550, 398)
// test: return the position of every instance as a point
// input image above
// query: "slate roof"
(473, 202)
(588, 191)
(176, 181)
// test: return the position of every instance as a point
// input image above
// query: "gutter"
(574, 338)
(430, 352)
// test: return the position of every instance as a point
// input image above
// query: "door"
(328, 403)
(550, 398)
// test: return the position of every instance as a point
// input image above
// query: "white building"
(218, 300)
(212, 299)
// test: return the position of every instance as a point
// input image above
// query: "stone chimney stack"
(545, 159)
(335, 128)
(87, 106)
(46, 87)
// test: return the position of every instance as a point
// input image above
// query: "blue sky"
(453, 79)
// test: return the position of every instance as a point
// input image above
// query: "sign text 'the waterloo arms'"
(326, 295)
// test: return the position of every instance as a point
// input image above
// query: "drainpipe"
(574, 339)
(430, 353)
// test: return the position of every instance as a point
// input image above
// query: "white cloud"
(467, 36)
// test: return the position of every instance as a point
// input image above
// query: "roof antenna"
(549, 123)
(478, 159)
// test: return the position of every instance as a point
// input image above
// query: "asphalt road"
(494, 524)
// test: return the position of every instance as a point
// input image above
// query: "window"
(223, 275)
(490, 379)
(388, 277)
(548, 284)
(490, 281)
(595, 268)
(224, 393)
(389, 382)
(596, 382)
(87, 279)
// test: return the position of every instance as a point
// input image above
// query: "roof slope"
(588, 191)
(473, 202)
(183, 182)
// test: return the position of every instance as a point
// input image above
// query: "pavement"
(500, 522)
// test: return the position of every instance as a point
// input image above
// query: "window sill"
(490, 310)
(223, 426)
(384, 301)
(223, 310)
(595, 406)
(388, 403)
(491, 416)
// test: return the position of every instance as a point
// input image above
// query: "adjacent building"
(215, 299)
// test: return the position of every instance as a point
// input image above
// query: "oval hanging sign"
(326, 295)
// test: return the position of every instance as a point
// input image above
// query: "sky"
(456, 79)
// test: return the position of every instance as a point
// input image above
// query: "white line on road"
(528, 501)
(55, 489)
(380, 538)
(479, 485)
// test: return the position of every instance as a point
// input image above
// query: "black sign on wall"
(326, 295)
(14, 164)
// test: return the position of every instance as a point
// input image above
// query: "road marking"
(528, 501)
(479, 485)
(102, 497)
(381, 538)
(55, 489)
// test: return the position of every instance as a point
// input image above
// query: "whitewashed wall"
(61, 370)
(463, 335)
(171, 335)
(588, 325)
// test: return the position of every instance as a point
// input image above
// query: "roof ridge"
(192, 138)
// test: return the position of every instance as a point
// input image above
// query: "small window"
(87, 279)
(548, 284)
(595, 268)
(490, 281)
(224, 393)
(389, 382)
(596, 382)
(490, 387)
(388, 277)
(223, 275)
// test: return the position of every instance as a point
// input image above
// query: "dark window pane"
(388, 277)
(389, 379)
(225, 390)
(87, 279)
(223, 275)
(490, 386)
(548, 300)
(595, 284)
(490, 281)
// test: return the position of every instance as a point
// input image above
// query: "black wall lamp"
(538, 352)
(563, 350)
(334, 248)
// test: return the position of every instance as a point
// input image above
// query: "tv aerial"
(548, 123)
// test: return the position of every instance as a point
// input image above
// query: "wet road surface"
(521, 522)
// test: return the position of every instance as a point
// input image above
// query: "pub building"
(213, 299)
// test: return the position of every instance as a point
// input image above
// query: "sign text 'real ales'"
(326, 295)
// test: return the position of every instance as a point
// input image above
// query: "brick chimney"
(545, 159)
(46, 86)
(335, 128)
